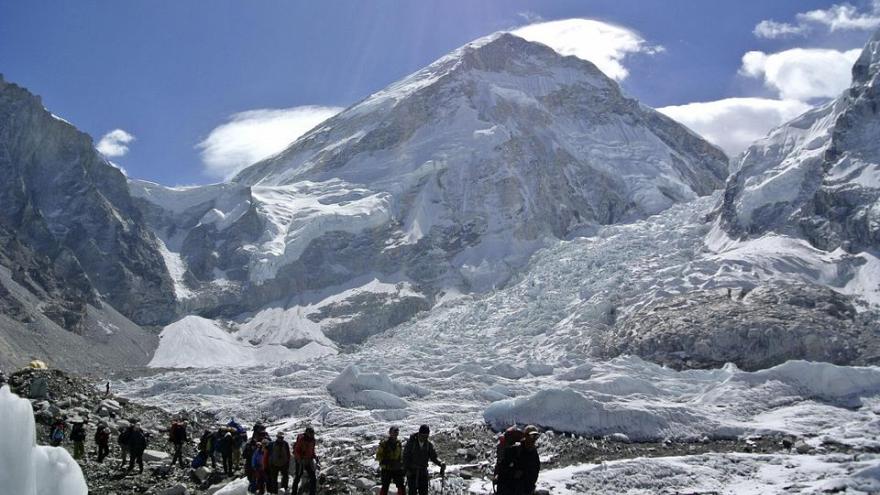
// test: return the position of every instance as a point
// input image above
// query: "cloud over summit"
(601, 43)
(248, 137)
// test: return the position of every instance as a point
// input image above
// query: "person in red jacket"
(306, 460)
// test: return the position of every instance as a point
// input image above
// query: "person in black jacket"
(137, 444)
(206, 446)
(418, 451)
(529, 461)
(519, 465)
(225, 445)
(78, 436)
(178, 436)
(122, 440)
(102, 440)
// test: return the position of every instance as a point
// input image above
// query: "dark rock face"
(66, 213)
(757, 329)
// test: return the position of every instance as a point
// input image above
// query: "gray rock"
(364, 484)
(174, 490)
(802, 447)
(201, 473)
(156, 456)
(768, 326)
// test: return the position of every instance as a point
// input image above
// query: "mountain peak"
(868, 63)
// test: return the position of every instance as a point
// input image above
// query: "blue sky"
(169, 75)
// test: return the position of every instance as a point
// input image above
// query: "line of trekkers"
(265, 460)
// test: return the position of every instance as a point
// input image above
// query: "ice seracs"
(25, 467)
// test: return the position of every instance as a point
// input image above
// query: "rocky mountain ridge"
(75, 249)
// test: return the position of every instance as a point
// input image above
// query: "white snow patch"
(25, 467)
(201, 343)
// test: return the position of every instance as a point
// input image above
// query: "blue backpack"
(257, 461)
(57, 435)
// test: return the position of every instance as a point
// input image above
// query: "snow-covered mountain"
(443, 183)
(817, 177)
(791, 265)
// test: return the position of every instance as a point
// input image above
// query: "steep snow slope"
(817, 177)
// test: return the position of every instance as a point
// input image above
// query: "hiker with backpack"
(239, 434)
(137, 444)
(102, 440)
(418, 451)
(56, 432)
(78, 436)
(530, 462)
(258, 464)
(390, 457)
(518, 463)
(122, 440)
(279, 463)
(206, 447)
(225, 446)
(248, 454)
(178, 435)
(306, 460)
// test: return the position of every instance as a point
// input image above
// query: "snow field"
(740, 474)
(518, 355)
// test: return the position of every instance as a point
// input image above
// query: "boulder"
(201, 474)
(364, 484)
(155, 456)
(174, 490)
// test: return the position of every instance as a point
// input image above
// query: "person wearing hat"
(418, 451)
(518, 467)
(225, 446)
(530, 462)
(390, 457)
(279, 462)
(306, 460)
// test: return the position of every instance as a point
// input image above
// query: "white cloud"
(839, 17)
(843, 17)
(772, 29)
(734, 123)
(606, 45)
(114, 143)
(802, 73)
(250, 136)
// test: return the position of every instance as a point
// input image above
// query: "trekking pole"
(442, 479)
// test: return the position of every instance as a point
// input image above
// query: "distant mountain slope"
(791, 266)
(71, 240)
(818, 176)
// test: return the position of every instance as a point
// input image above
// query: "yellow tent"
(38, 365)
